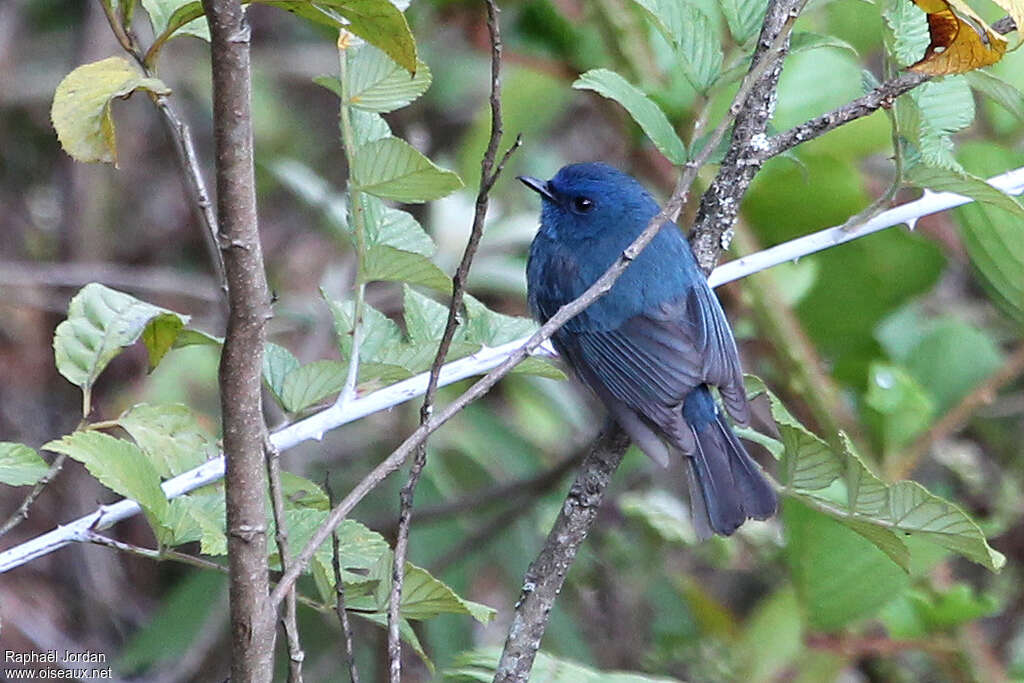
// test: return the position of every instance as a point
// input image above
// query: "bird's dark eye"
(582, 204)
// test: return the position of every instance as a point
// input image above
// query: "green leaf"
(196, 517)
(20, 465)
(425, 318)
(405, 630)
(378, 84)
(909, 27)
(905, 407)
(802, 41)
(301, 492)
(949, 382)
(423, 596)
(102, 321)
(389, 264)
(379, 23)
(196, 338)
(394, 228)
(161, 12)
(160, 336)
(391, 168)
(960, 182)
(311, 383)
(170, 436)
(81, 106)
(841, 486)
(480, 665)
(838, 575)
(487, 327)
(945, 106)
(693, 35)
(378, 331)
(117, 464)
(278, 363)
(744, 17)
(1005, 94)
(368, 127)
(643, 110)
(920, 613)
(358, 547)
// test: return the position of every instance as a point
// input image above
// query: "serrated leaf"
(359, 548)
(190, 337)
(119, 465)
(301, 492)
(744, 17)
(20, 465)
(278, 363)
(368, 127)
(485, 326)
(425, 318)
(391, 168)
(378, 22)
(311, 383)
(102, 321)
(838, 574)
(644, 111)
(378, 84)
(995, 243)
(692, 34)
(405, 630)
(378, 331)
(1004, 94)
(160, 335)
(161, 13)
(419, 357)
(945, 106)
(81, 106)
(960, 182)
(423, 596)
(841, 486)
(170, 436)
(196, 517)
(802, 41)
(386, 263)
(394, 228)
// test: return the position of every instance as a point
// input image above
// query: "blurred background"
(909, 340)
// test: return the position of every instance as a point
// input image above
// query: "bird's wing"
(653, 360)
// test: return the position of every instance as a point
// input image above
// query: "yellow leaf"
(81, 106)
(960, 40)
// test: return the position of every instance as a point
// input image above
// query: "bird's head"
(586, 201)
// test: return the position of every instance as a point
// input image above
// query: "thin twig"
(184, 148)
(488, 176)
(21, 514)
(881, 97)
(288, 619)
(958, 415)
(339, 595)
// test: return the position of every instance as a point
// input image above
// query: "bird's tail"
(726, 486)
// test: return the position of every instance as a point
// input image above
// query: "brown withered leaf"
(960, 40)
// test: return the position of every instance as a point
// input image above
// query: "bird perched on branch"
(653, 346)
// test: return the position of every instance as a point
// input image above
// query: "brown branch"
(719, 206)
(288, 620)
(544, 578)
(488, 176)
(881, 97)
(339, 596)
(957, 416)
(252, 621)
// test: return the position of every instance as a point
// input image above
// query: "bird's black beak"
(539, 186)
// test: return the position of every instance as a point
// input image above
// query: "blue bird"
(654, 345)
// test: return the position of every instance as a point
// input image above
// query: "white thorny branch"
(315, 426)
